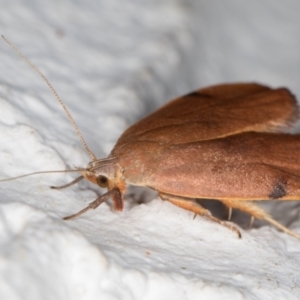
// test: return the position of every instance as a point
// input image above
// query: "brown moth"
(224, 142)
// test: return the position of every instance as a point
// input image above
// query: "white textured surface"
(113, 62)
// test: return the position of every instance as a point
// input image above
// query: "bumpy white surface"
(113, 62)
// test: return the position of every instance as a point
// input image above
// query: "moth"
(225, 142)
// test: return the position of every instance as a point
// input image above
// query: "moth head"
(106, 173)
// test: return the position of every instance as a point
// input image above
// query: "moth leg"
(229, 213)
(115, 194)
(258, 213)
(196, 208)
(68, 184)
(251, 221)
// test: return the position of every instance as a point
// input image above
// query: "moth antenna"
(43, 172)
(92, 155)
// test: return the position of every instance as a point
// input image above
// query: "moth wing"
(215, 112)
(208, 121)
(247, 166)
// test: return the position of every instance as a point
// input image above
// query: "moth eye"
(102, 181)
